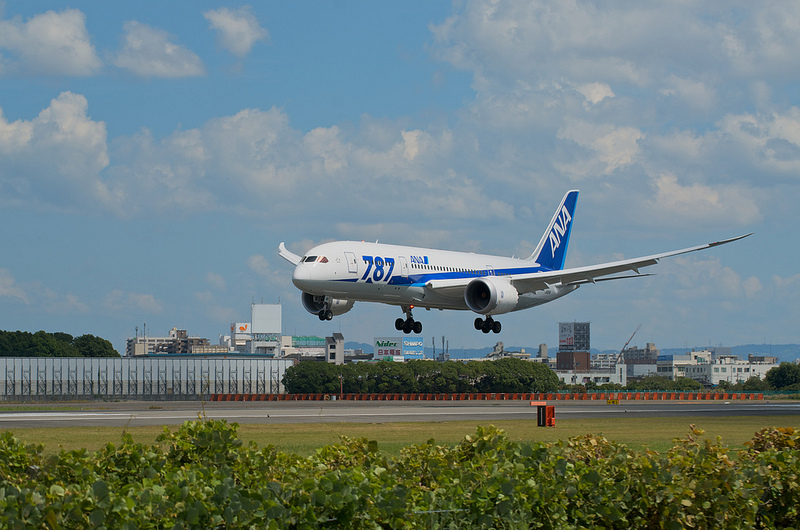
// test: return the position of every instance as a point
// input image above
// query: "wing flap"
(453, 288)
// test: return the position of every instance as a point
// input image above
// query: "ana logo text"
(559, 229)
(420, 260)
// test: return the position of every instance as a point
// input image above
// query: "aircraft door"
(352, 262)
(403, 266)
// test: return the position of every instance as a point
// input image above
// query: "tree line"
(501, 376)
(423, 377)
(44, 344)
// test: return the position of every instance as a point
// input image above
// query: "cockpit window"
(315, 259)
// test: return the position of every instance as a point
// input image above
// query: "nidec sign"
(387, 346)
(398, 347)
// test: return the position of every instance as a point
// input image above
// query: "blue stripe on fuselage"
(422, 279)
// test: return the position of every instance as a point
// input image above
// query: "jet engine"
(491, 296)
(315, 304)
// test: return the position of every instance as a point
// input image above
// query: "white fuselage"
(397, 275)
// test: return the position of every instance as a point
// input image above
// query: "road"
(175, 413)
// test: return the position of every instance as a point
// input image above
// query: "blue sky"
(154, 154)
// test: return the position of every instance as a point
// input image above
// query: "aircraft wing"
(542, 280)
(288, 255)
(537, 281)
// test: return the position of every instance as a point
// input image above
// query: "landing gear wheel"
(417, 327)
(328, 315)
(487, 325)
(322, 315)
(398, 324)
(408, 325)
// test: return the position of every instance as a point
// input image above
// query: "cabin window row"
(447, 269)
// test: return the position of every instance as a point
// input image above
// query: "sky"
(153, 155)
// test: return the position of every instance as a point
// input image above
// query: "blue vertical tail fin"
(552, 248)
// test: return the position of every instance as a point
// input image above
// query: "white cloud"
(68, 304)
(752, 286)
(326, 144)
(121, 301)
(56, 158)
(238, 30)
(216, 281)
(150, 52)
(608, 147)
(700, 203)
(771, 142)
(697, 94)
(595, 92)
(9, 287)
(265, 270)
(706, 278)
(616, 41)
(50, 44)
(255, 161)
(763, 39)
(786, 285)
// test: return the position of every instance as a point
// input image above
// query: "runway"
(175, 413)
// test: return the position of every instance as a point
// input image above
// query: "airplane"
(333, 276)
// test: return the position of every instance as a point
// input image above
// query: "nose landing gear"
(488, 325)
(409, 324)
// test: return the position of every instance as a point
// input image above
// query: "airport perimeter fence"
(130, 378)
(521, 396)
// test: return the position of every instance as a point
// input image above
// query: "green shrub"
(200, 476)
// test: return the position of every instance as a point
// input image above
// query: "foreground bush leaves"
(200, 476)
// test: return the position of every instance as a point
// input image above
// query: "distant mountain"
(784, 352)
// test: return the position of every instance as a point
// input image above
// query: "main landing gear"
(409, 324)
(487, 325)
(325, 314)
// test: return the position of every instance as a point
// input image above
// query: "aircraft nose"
(301, 276)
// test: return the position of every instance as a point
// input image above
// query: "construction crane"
(619, 357)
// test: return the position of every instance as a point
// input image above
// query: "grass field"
(653, 433)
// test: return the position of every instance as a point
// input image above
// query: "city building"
(573, 360)
(710, 369)
(262, 335)
(499, 352)
(177, 342)
(617, 376)
(573, 336)
(573, 347)
(334, 348)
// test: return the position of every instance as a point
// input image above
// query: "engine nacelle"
(491, 296)
(315, 304)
